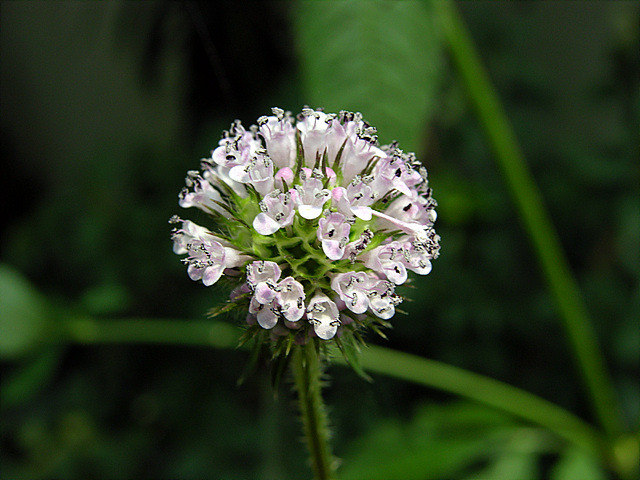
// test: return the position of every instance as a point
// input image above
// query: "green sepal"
(232, 213)
(377, 330)
(251, 332)
(299, 155)
(350, 349)
(336, 162)
(227, 307)
(256, 351)
(279, 365)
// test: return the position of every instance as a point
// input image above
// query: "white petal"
(212, 275)
(364, 213)
(265, 225)
(309, 211)
(239, 174)
(332, 250)
(264, 293)
(325, 331)
(266, 318)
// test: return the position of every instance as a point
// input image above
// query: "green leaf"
(24, 315)
(439, 442)
(576, 464)
(381, 58)
(28, 380)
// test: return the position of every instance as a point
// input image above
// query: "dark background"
(106, 105)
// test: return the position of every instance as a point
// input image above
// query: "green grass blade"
(534, 217)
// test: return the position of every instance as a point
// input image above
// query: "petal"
(332, 249)
(338, 192)
(285, 174)
(325, 331)
(212, 275)
(309, 211)
(239, 174)
(358, 303)
(364, 213)
(265, 293)
(383, 309)
(266, 318)
(423, 269)
(293, 313)
(396, 273)
(265, 225)
(195, 274)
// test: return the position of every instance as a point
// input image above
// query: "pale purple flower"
(208, 256)
(201, 194)
(383, 300)
(279, 135)
(396, 172)
(387, 260)
(311, 194)
(355, 200)
(265, 313)
(415, 209)
(262, 278)
(273, 300)
(278, 210)
(290, 299)
(313, 127)
(316, 200)
(258, 172)
(333, 232)
(353, 289)
(236, 147)
(323, 314)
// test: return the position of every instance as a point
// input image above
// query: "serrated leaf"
(381, 58)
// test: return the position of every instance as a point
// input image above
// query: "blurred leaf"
(24, 318)
(106, 299)
(378, 57)
(517, 459)
(442, 442)
(26, 382)
(575, 464)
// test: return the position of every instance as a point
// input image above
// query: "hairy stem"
(307, 372)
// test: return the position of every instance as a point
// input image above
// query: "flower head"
(314, 221)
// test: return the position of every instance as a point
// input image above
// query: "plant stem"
(423, 371)
(535, 219)
(307, 373)
(482, 389)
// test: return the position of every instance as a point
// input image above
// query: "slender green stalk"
(400, 365)
(307, 373)
(204, 333)
(485, 390)
(534, 217)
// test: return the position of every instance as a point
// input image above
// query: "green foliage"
(463, 441)
(24, 315)
(94, 157)
(380, 58)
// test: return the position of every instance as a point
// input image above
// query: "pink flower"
(277, 212)
(333, 232)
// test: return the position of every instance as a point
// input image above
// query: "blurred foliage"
(343, 45)
(105, 106)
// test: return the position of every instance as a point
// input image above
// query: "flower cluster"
(315, 222)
